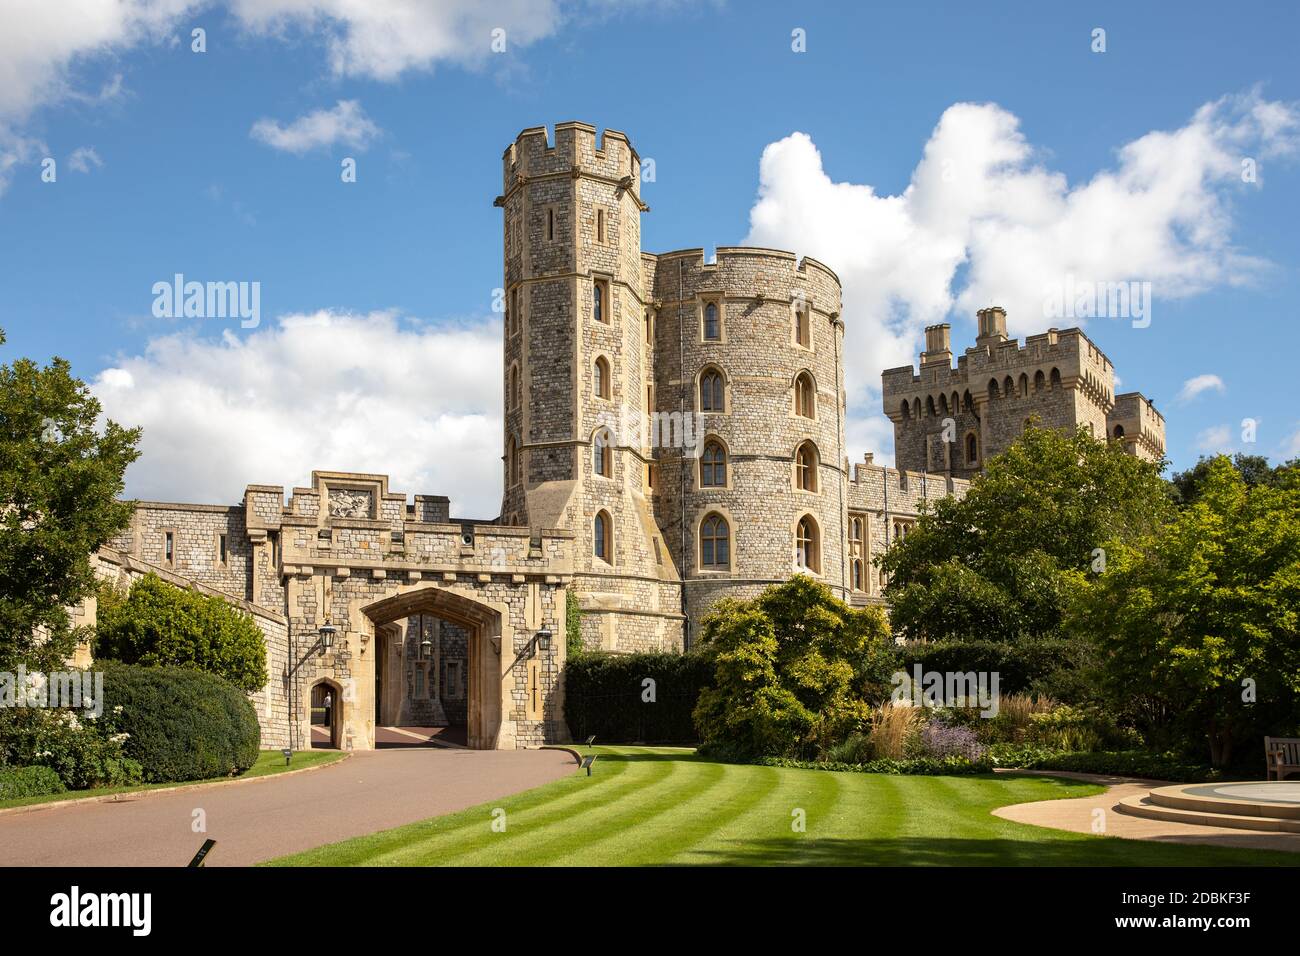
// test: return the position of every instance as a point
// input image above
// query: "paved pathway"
(1076, 815)
(261, 819)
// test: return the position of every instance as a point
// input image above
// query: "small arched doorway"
(326, 714)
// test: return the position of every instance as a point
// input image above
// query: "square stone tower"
(950, 420)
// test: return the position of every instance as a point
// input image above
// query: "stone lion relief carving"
(349, 504)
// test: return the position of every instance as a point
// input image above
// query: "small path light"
(288, 755)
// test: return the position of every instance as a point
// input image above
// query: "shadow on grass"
(950, 851)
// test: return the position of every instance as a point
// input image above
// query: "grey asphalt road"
(259, 820)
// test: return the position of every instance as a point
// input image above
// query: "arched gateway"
(405, 617)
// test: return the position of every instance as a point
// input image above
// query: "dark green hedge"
(1119, 763)
(603, 695)
(184, 724)
(18, 782)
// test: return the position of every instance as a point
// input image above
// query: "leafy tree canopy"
(996, 563)
(794, 670)
(157, 624)
(60, 477)
(1198, 621)
(1254, 470)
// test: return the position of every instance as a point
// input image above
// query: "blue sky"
(390, 275)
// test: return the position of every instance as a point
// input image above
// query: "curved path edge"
(1078, 815)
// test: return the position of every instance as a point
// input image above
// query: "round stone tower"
(748, 349)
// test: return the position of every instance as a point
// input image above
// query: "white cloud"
(1215, 440)
(1291, 446)
(382, 39)
(326, 390)
(346, 123)
(82, 158)
(43, 43)
(984, 221)
(1200, 383)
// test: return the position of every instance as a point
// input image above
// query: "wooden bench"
(1283, 755)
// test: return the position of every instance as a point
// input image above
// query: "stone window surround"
(605, 282)
(815, 547)
(710, 437)
(550, 222)
(609, 538)
(515, 322)
(805, 305)
(726, 390)
(816, 468)
(165, 561)
(606, 392)
(794, 396)
(606, 449)
(698, 569)
(217, 561)
(703, 299)
(515, 380)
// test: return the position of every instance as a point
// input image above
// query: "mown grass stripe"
(477, 843)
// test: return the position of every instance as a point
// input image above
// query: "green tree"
(1000, 563)
(157, 624)
(793, 670)
(1254, 470)
(60, 477)
(1198, 622)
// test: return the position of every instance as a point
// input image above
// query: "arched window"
(602, 539)
(713, 465)
(807, 545)
(514, 386)
(1008, 387)
(712, 327)
(1024, 385)
(600, 378)
(993, 388)
(601, 457)
(712, 391)
(715, 543)
(510, 460)
(1056, 378)
(1040, 380)
(805, 396)
(967, 403)
(929, 406)
(599, 307)
(857, 575)
(802, 332)
(943, 404)
(1119, 431)
(905, 410)
(972, 448)
(805, 467)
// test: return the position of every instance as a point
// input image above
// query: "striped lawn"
(666, 806)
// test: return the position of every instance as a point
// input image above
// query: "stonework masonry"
(674, 434)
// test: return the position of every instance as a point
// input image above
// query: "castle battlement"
(951, 419)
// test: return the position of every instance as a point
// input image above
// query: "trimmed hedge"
(603, 695)
(184, 724)
(19, 782)
(1119, 763)
(950, 766)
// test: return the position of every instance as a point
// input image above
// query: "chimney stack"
(938, 345)
(993, 326)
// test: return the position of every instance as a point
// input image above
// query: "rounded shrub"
(19, 782)
(183, 724)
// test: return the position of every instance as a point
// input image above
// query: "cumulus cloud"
(1200, 383)
(382, 39)
(346, 123)
(985, 221)
(82, 158)
(325, 390)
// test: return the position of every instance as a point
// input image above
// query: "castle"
(673, 434)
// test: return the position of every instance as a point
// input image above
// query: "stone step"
(1144, 806)
(1179, 798)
